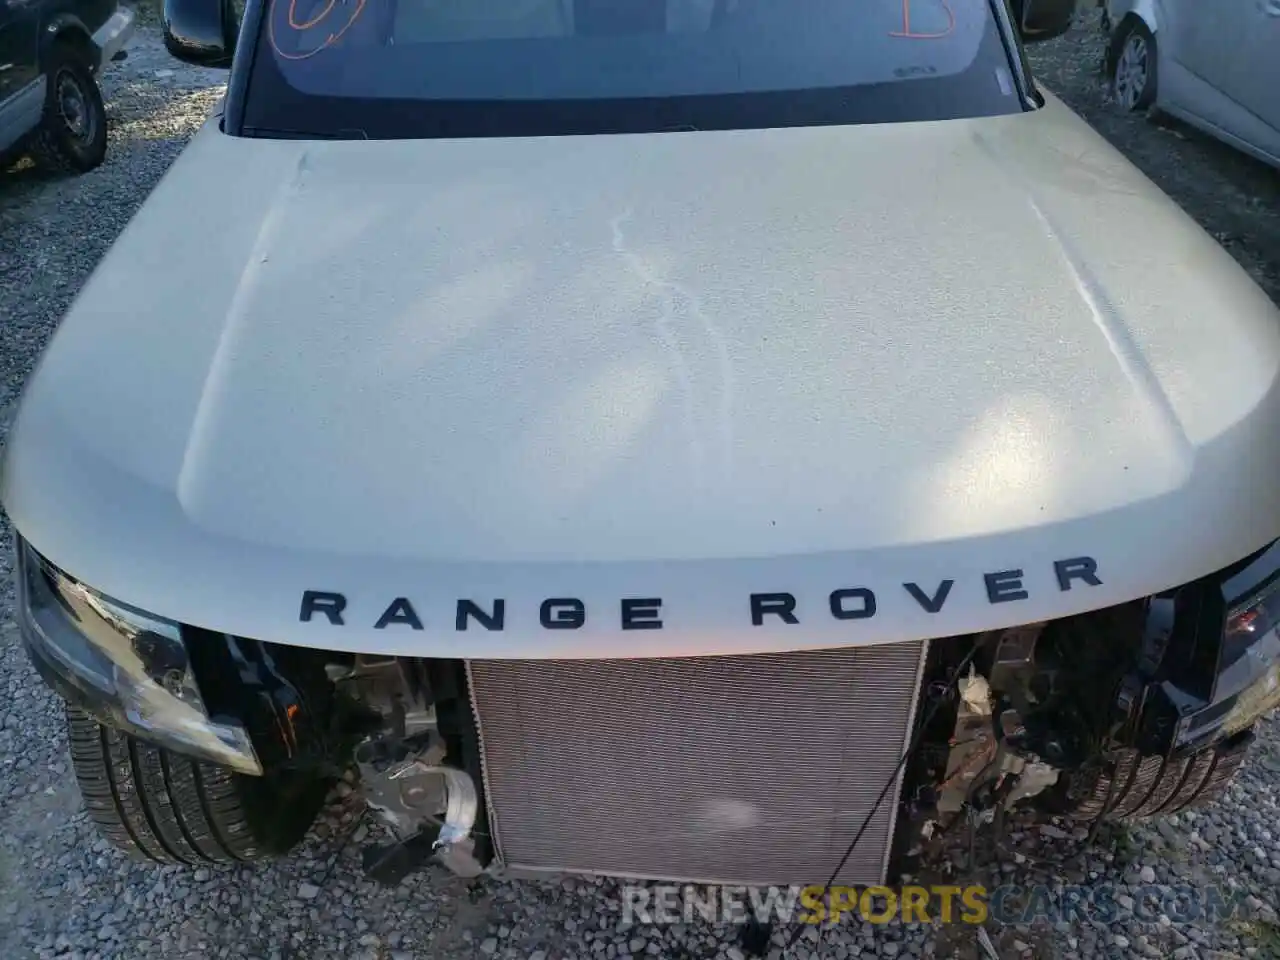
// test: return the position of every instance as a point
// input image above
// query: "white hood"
(687, 366)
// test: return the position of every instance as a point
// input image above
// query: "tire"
(72, 136)
(1133, 66)
(1136, 786)
(159, 806)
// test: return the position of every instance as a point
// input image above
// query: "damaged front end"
(753, 769)
(417, 764)
(1130, 712)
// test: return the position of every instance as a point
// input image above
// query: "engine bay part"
(430, 806)
(753, 768)
(1050, 715)
(745, 769)
(1125, 713)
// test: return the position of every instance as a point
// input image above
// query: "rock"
(489, 946)
(636, 945)
(1120, 941)
(1147, 875)
(308, 891)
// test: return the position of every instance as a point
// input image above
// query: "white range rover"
(638, 436)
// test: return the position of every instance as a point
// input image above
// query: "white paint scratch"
(680, 305)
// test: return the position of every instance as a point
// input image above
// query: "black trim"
(68, 29)
(241, 74)
(1016, 52)
(279, 693)
(927, 767)
(1250, 576)
(1183, 705)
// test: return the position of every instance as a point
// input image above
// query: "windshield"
(541, 67)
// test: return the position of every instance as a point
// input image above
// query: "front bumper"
(127, 669)
(110, 38)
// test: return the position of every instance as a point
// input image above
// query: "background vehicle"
(50, 54)
(1214, 65)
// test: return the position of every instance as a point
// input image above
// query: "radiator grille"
(743, 769)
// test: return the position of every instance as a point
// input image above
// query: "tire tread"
(1146, 786)
(157, 805)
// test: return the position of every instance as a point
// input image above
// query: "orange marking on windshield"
(302, 26)
(307, 24)
(909, 34)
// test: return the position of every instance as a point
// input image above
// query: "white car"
(637, 436)
(1215, 65)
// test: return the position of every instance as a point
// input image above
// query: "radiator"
(749, 770)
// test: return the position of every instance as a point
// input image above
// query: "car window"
(580, 66)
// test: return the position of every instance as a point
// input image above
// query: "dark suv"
(50, 54)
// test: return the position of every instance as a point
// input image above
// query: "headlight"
(1251, 620)
(1250, 666)
(127, 668)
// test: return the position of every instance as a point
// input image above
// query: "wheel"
(1136, 786)
(72, 136)
(160, 806)
(1134, 65)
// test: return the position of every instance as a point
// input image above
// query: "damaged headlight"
(1250, 665)
(127, 668)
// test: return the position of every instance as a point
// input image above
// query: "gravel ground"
(66, 893)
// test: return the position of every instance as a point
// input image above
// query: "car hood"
(689, 367)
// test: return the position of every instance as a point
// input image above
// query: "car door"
(1205, 38)
(19, 38)
(18, 45)
(1257, 76)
